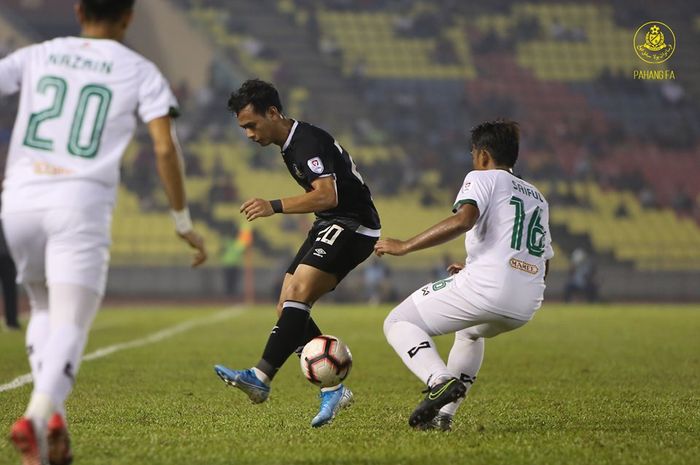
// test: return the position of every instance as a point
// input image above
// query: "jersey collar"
(291, 134)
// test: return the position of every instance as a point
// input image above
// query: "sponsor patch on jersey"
(315, 165)
(524, 266)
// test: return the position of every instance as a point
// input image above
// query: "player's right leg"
(254, 383)
(303, 288)
(312, 330)
(411, 339)
(299, 327)
(441, 308)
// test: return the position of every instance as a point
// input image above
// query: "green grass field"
(578, 385)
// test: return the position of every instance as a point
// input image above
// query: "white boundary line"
(150, 339)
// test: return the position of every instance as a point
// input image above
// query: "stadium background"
(399, 83)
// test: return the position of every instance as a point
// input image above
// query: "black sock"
(285, 337)
(311, 332)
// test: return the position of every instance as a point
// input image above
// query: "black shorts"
(334, 249)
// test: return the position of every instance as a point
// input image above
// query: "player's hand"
(196, 242)
(455, 268)
(256, 208)
(391, 247)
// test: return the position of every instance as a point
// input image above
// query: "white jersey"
(77, 113)
(508, 246)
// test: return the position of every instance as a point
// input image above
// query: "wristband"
(276, 206)
(183, 222)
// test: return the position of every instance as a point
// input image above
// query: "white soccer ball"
(326, 361)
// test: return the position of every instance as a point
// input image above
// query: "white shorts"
(446, 307)
(60, 246)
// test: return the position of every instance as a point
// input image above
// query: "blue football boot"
(246, 381)
(331, 402)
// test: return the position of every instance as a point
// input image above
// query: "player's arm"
(11, 69)
(446, 230)
(170, 169)
(322, 197)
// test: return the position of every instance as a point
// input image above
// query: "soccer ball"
(326, 361)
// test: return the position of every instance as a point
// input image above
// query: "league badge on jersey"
(315, 165)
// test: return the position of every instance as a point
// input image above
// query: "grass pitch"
(578, 385)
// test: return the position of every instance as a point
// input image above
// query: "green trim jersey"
(509, 245)
(79, 98)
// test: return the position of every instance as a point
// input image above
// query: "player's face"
(257, 127)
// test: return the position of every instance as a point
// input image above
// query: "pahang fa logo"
(654, 43)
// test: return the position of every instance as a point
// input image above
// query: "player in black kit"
(342, 237)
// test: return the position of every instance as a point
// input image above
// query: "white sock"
(261, 375)
(39, 326)
(40, 408)
(331, 388)
(60, 363)
(36, 337)
(71, 311)
(417, 350)
(464, 363)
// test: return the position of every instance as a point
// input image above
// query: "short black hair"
(106, 10)
(262, 95)
(501, 138)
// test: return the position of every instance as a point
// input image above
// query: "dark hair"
(501, 138)
(262, 95)
(106, 10)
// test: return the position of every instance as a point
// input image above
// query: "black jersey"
(311, 153)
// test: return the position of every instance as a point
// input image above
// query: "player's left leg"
(26, 239)
(467, 355)
(306, 286)
(77, 257)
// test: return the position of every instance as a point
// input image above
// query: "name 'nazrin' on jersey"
(311, 153)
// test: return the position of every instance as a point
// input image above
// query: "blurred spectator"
(444, 52)
(257, 48)
(378, 286)
(682, 203)
(440, 268)
(218, 170)
(222, 190)
(8, 276)
(329, 47)
(647, 198)
(582, 277)
(621, 211)
(584, 169)
(672, 92)
(428, 199)
(7, 46)
(192, 165)
(232, 258)
(142, 177)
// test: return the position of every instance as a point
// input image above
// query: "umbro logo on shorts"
(319, 252)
